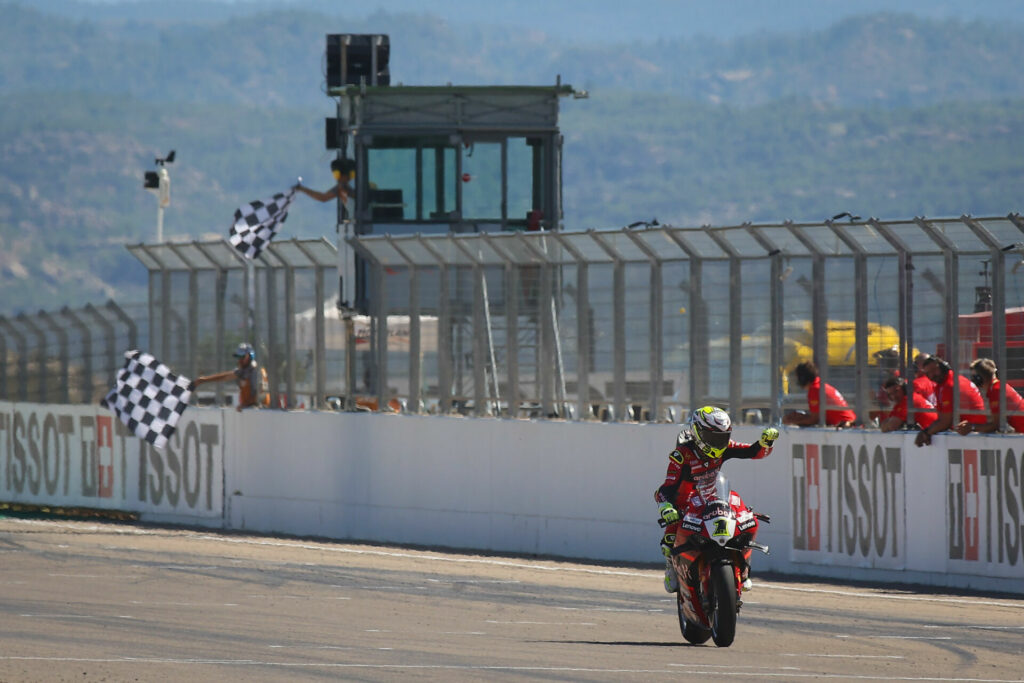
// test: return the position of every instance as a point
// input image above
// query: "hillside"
(892, 116)
(568, 21)
(275, 59)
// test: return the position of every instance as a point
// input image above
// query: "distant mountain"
(276, 59)
(636, 157)
(565, 21)
(885, 115)
(71, 183)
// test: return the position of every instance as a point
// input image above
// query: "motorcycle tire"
(723, 613)
(697, 635)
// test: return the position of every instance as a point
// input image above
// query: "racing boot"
(671, 580)
(746, 584)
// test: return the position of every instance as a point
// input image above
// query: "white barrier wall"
(582, 490)
(82, 456)
(852, 504)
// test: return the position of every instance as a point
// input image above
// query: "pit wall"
(851, 505)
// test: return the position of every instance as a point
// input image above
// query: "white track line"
(897, 637)
(544, 623)
(891, 596)
(515, 669)
(811, 654)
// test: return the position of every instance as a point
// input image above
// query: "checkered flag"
(256, 223)
(148, 397)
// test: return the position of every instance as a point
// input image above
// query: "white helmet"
(711, 429)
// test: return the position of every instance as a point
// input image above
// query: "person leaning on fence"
(971, 404)
(922, 383)
(250, 376)
(924, 412)
(837, 410)
(983, 374)
(344, 172)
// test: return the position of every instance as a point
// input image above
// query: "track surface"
(91, 601)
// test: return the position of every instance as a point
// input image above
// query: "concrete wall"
(854, 505)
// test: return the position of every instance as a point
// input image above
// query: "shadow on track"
(641, 643)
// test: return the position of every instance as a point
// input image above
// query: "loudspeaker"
(331, 133)
(355, 58)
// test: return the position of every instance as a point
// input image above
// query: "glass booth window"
(391, 174)
(410, 180)
(481, 181)
(418, 180)
(483, 176)
(522, 185)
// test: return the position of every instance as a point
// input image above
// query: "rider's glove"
(768, 437)
(669, 514)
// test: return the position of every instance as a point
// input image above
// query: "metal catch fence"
(639, 323)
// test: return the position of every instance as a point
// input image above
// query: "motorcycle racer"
(701, 448)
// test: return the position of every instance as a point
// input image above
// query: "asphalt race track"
(85, 601)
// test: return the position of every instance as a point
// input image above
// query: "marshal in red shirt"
(833, 399)
(1014, 402)
(972, 405)
(924, 412)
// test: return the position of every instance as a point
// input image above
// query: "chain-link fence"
(649, 322)
(67, 356)
(205, 299)
(641, 323)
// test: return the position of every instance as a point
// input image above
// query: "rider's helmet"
(711, 429)
(245, 350)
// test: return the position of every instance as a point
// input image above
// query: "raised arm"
(218, 377)
(323, 196)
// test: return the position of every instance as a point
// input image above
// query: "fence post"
(40, 355)
(111, 345)
(62, 342)
(83, 330)
(19, 339)
(133, 331)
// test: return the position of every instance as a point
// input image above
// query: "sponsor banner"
(848, 500)
(985, 509)
(83, 456)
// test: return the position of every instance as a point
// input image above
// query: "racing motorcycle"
(708, 600)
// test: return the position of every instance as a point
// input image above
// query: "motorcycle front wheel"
(723, 614)
(698, 635)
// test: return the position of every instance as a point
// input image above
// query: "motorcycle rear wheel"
(698, 635)
(723, 614)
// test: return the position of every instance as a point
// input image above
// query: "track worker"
(701, 448)
(971, 402)
(983, 374)
(837, 412)
(344, 172)
(251, 378)
(922, 383)
(924, 412)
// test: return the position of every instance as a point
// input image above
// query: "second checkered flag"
(148, 397)
(257, 222)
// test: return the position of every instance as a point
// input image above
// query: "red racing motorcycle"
(709, 597)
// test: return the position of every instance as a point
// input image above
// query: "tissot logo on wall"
(985, 509)
(82, 456)
(848, 501)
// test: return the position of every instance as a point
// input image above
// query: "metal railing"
(638, 323)
(650, 321)
(67, 356)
